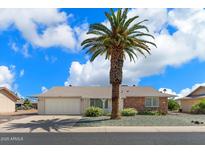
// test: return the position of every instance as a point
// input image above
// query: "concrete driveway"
(40, 123)
(16, 115)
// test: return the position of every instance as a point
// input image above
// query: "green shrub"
(18, 108)
(147, 112)
(106, 113)
(93, 112)
(199, 108)
(129, 112)
(173, 105)
(27, 104)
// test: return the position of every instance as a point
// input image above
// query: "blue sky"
(35, 60)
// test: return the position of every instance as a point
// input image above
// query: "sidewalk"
(140, 129)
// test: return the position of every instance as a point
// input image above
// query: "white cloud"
(172, 49)
(84, 74)
(51, 59)
(81, 32)
(14, 47)
(21, 74)
(184, 92)
(43, 89)
(25, 50)
(40, 27)
(12, 67)
(6, 77)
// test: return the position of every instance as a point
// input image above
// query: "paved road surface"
(161, 138)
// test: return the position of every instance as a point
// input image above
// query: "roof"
(190, 96)
(101, 92)
(196, 97)
(9, 93)
(195, 90)
(135, 91)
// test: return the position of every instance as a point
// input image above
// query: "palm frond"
(119, 15)
(145, 41)
(101, 28)
(139, 34)
(110, 19)
(129, 21)
(95, 32)
(113, 16)
(124, 16)
(125, 34)
(95, 54)
(136, 27)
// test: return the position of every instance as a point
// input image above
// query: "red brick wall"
(138, 104)
(163, 104)
(134, 102)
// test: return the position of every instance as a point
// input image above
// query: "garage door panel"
(62, 106)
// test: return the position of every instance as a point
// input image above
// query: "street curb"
(139, 129)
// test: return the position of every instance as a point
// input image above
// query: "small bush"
(27, 105)
(129, 112)
(106, 113)
(173, 105)
(199, 108)
(93, 112)
(147, 112)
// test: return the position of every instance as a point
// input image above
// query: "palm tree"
(123, 37)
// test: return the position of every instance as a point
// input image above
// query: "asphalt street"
(162, 138)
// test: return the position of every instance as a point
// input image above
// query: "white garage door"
(62, 106)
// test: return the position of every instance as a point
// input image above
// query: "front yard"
(143, 120)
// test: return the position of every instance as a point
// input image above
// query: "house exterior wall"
(139, 104)
(41, 106)
(186, 105)
(85, 104)
(35, 105)
(6, 104)
(163, 105)
(135, 102)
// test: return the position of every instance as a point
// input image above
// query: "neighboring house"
(75, 100)
(19, 103)
(191, 99)
(34, 104)
(7, 100)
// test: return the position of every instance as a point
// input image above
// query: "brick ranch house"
(75, 100)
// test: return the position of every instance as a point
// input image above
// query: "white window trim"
(152, 102)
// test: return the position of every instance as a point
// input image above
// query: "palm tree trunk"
(115, 101)
(116, 80)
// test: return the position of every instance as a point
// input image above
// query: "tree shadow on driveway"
(47, 125)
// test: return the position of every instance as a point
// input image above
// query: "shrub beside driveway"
(143, 120)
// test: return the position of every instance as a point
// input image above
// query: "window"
(106, 104)
(151, 102)
(96, 103)
(101, 103)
